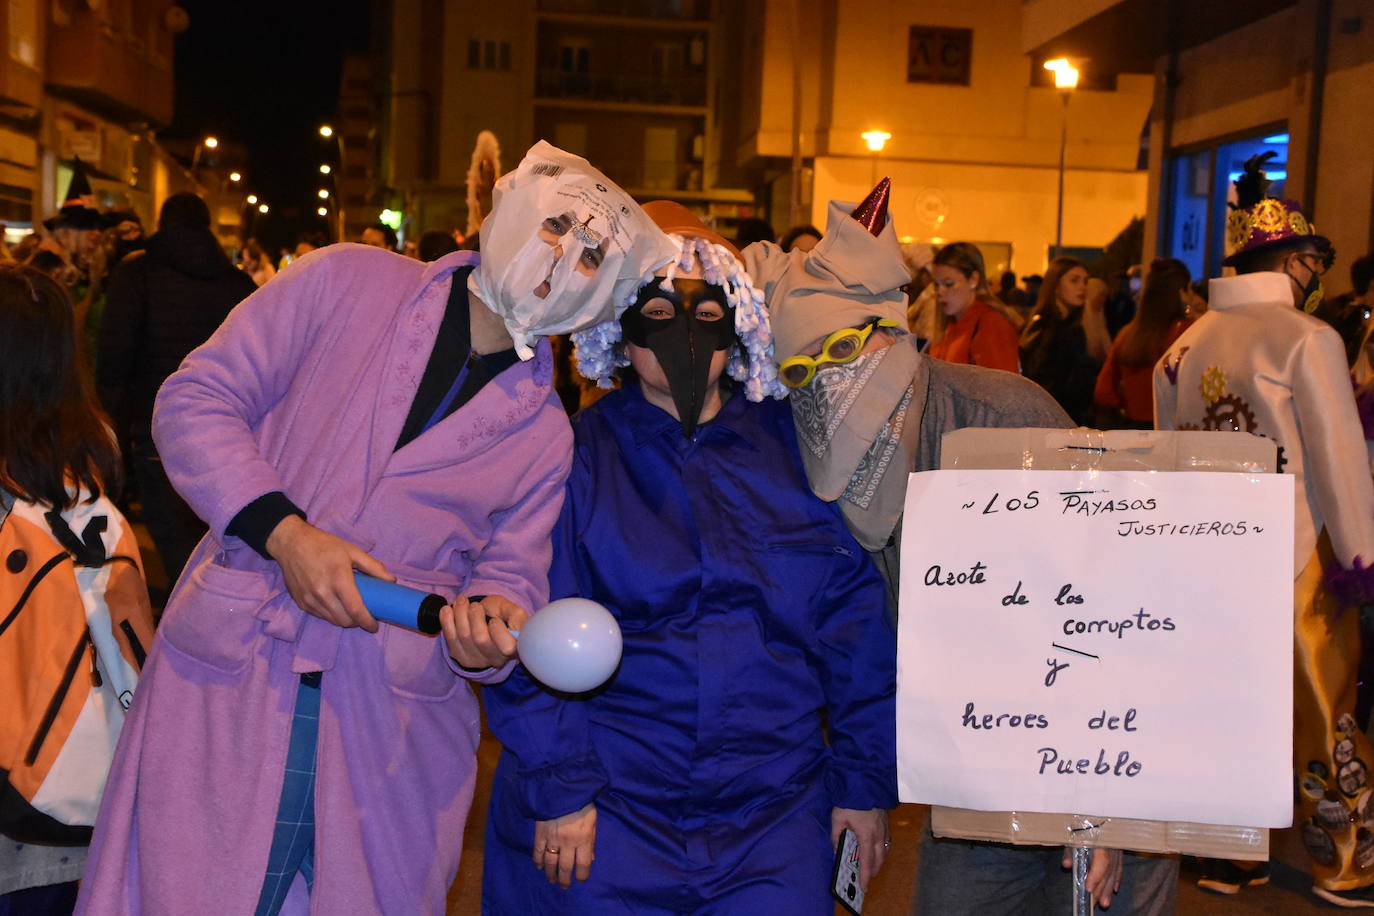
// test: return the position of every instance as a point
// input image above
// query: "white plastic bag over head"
(563, 249)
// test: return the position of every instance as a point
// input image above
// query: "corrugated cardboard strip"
(1113, 450)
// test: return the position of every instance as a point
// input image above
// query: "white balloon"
(571, 644)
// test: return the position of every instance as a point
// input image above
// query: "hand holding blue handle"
(398, 605)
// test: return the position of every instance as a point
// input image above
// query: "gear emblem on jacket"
(1213, 385)
(1229, 413)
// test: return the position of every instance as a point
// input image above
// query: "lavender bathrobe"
(304, 389)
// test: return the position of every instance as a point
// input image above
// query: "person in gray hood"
(870, 408)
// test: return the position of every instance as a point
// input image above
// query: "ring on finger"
(551, 849)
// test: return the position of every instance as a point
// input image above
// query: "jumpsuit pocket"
(802, 566)
(214, 622)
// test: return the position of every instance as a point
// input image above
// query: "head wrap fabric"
(857, 423)
(750, 361)
(517, 260)
(849, 277)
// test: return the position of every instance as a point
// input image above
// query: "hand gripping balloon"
(572, 645)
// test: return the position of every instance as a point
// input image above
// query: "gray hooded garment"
(851, 275)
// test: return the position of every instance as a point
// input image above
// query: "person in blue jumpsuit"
(752, 716)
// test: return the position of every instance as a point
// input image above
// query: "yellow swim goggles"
(844, 346)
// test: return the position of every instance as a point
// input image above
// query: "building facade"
(1232, 79)
(633, 85)
(92, 81)
(975, 124)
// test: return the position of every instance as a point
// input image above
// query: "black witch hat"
(77, 211)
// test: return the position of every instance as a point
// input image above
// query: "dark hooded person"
(162, 304)
(699, 778)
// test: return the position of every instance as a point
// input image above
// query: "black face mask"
(683, 344)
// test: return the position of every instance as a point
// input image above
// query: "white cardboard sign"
(1109, 643)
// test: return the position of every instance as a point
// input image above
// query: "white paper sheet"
(1140, 622)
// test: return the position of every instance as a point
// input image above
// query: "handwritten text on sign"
(1107, 643)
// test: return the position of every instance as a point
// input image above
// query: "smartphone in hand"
(844, 879)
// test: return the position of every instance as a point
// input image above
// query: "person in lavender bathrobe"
(363, 411)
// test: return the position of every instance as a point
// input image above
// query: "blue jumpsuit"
(747, 611)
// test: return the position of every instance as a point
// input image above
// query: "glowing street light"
(876, 139)
(325, 169)
(323, 211)
(236, 176)
(211, 142)
(262, 208)
(252, 199)
(326, 131)
(1065, 80)
(323, 193)
(1065, 73)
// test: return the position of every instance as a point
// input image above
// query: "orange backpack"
(75, 621)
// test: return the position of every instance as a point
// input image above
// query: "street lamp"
(1066, 81)
(252, 199)
(323, 193)
(262, 208)
(208, 142)
(327, 132)
(236, 177)
(876, 140)
(323, 211)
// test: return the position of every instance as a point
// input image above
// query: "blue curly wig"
(599, 352)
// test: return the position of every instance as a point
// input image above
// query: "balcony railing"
(644, 90)
(646, 9)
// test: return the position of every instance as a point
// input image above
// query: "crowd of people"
(731, 490)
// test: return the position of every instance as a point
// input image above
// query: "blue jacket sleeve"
(857, 650)
(558, 771)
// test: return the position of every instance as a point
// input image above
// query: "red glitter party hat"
(873, 211)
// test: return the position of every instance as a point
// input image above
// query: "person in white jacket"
(1257, 363)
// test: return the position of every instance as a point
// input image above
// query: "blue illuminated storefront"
(1199, 189)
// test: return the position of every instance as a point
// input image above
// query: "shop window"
(1201, 186)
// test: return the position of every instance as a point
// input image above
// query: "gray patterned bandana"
(854, 423)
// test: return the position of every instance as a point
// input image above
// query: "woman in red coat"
(972, 327)
(1125, 391)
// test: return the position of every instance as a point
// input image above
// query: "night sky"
(266, 74)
